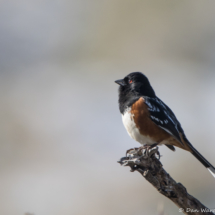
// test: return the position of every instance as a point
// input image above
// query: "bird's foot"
(131, 151)
(145, 150)
(153, 149)
(142, 159)
(138, 151)
(149, 150)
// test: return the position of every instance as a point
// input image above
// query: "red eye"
(130, 81)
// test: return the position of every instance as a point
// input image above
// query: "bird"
(148, 120)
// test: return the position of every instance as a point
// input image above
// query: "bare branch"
(147, 163)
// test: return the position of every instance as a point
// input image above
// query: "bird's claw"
(145, 150)
(131, 151)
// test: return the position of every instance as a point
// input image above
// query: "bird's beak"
(121, 82)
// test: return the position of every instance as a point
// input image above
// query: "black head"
(132, 87)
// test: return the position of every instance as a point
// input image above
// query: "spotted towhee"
(148, 120)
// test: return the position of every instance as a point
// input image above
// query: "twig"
(148, 164)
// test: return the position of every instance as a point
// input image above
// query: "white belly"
(133, 131)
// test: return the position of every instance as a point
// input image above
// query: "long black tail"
(209, 166)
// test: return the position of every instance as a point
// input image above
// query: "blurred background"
(61, 132)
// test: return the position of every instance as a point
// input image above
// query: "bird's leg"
(148, 149)
(151, 147)
(143, 147)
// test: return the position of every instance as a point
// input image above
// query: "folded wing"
(162, 116)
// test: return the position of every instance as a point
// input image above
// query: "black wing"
(162, 116)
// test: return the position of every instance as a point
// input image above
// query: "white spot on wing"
(212, 171)
(169, 117)
(152, 108)
(167, 131)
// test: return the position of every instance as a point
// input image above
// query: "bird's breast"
(133, 130)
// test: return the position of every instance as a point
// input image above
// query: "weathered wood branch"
(147, 163)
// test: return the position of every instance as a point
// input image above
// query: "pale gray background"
(61, 131)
